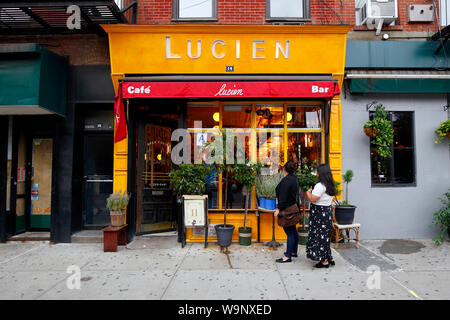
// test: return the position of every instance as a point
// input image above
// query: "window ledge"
(194, 20)
(411, 185)
(288, 20)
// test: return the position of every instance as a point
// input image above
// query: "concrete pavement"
(158, 268)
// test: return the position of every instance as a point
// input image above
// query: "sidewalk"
(158, 268)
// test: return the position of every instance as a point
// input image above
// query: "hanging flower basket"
(371, 133)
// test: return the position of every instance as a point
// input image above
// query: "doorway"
(97, 149)
(30, 179)
(156, 203)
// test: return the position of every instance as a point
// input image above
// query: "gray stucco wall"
(396, 212)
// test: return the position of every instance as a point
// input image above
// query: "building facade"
(179, 46)
(406, 69)
(57, 119)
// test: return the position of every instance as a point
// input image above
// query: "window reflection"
(263, 126)
(198, 141)
(304, 144)
(269, 116)
(207, 114)
(400, 168)
(304, 117)
(270, 148)
(157, 157)
(237, 116)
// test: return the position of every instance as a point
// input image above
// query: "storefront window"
(199, 139)
(237, 116)
(269, 116)
(236, 195)
(286, 131)
(208, 114)
(270, 144)
(304, 117)
(304, 144)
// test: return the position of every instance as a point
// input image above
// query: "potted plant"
(381, 131)
(117, 204)
(186, 180)
(443, 131)
(442, 219)
(265, 190)
(246, 174)
(224, 231)
(189, 179)
(345, 212)
(307, 178)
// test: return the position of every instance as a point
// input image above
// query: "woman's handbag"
(289, 216)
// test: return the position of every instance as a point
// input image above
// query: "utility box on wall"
(420, 13)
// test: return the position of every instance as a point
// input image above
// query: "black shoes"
(321, 265)
(283, 261)
(331, 262)
(294, 255)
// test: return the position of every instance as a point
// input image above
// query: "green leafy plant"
(383, 132)
(246, 174)
(265, 185)
(337, 187)
(443, 131)
(190, 178)
(306, 174)
(117, 201)
(307, 178)
(442, 218)
(226, 167)
(347, 177)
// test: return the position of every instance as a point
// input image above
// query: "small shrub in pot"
(117, 204)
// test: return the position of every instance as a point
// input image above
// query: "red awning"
(247, 89)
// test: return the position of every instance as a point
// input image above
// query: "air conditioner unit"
(376, 12)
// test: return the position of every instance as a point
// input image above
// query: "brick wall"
(402, 21)
(81, 49)
(254, 11)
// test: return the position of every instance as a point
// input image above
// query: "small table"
(272, 244)
(347, 227)
(114, 236)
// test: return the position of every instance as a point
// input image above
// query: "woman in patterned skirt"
(321, 218)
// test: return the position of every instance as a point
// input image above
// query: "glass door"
(98, 179)
(41, 183)
(18, 197)
(155, 198)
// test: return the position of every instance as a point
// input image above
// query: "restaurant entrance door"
(156, 204)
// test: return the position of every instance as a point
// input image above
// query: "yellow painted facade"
(250, 49)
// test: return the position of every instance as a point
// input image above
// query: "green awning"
(393, 54)
(397, 67)
(33, 80)
(399, 86)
